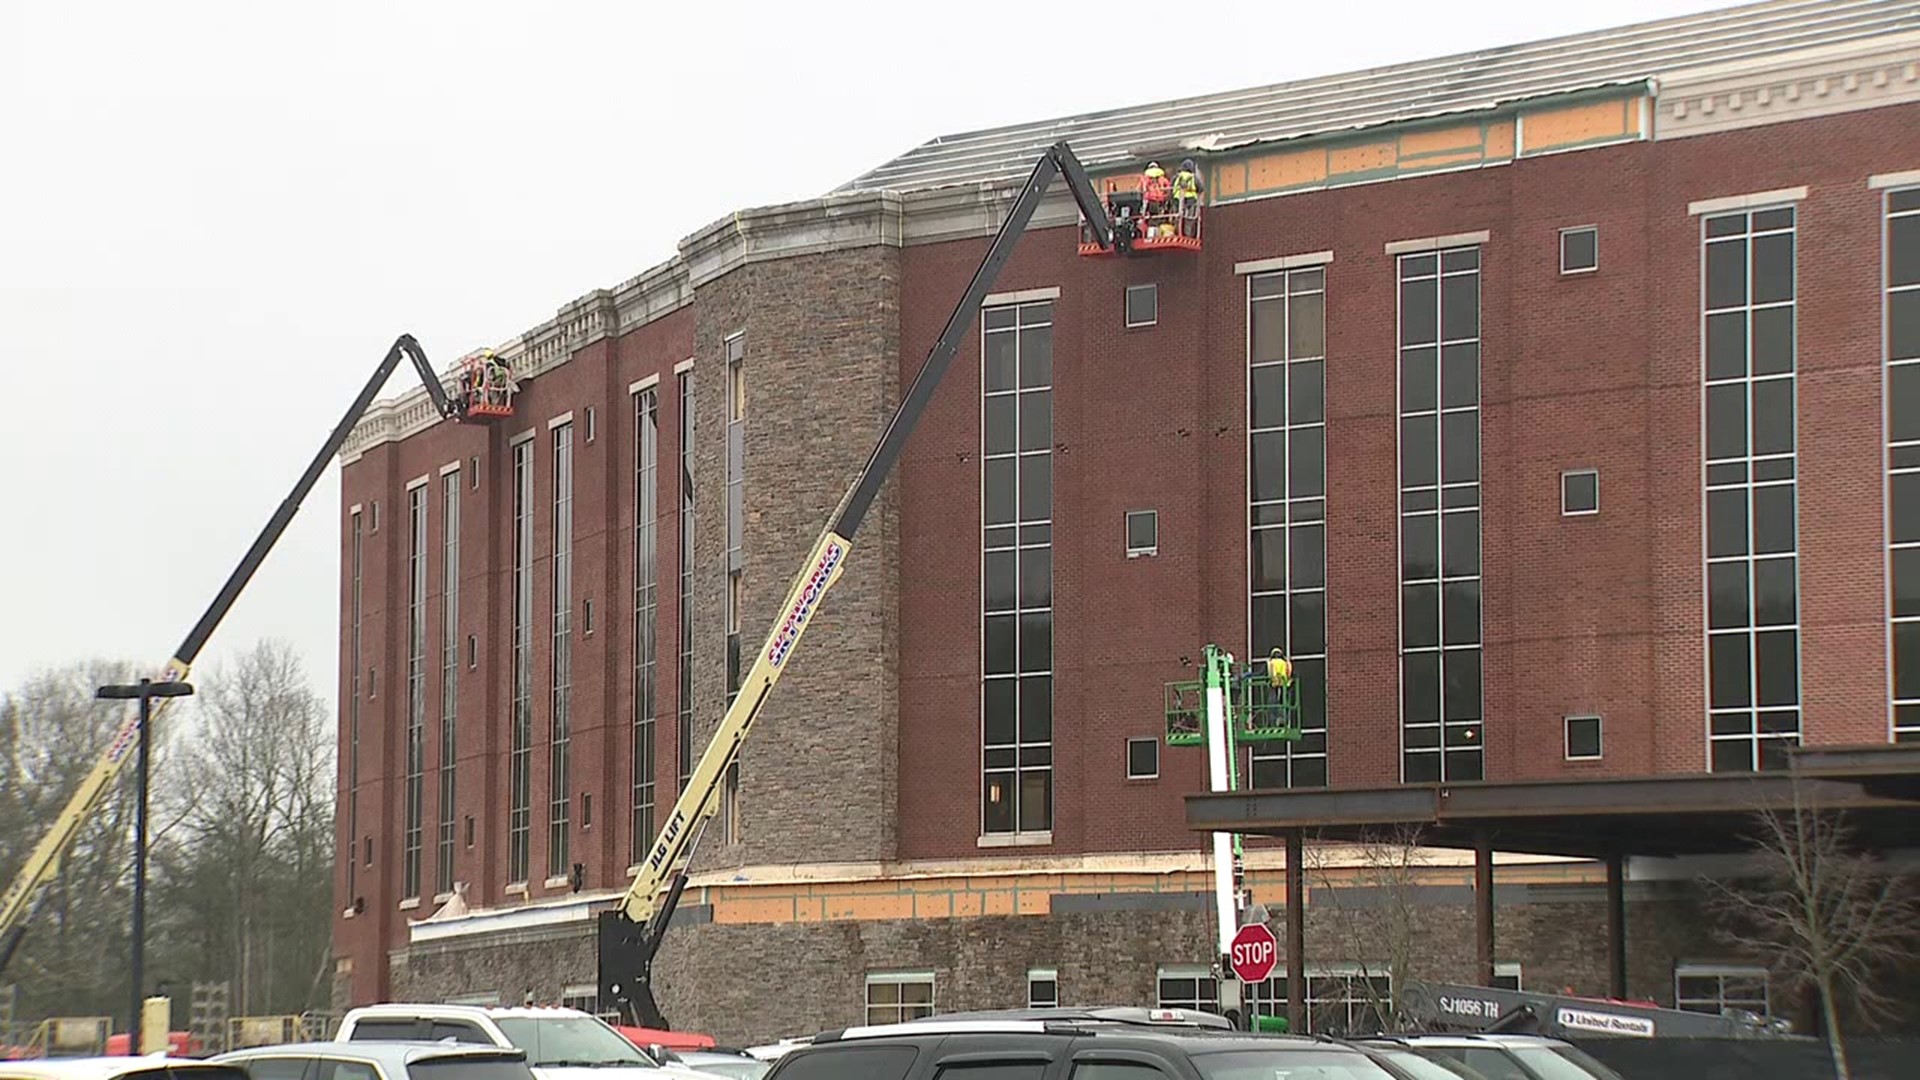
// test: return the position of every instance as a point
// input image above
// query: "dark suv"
(1072, 1044)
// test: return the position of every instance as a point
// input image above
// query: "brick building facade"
(1544, 432)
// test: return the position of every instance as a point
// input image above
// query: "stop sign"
(1254, 953)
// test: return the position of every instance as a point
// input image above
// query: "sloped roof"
(1427, 88)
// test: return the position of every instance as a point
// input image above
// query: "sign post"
(1253, 954)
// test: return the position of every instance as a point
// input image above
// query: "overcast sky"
(215, 217)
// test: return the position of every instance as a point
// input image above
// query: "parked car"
(378, 1061)
(561, 1044)
(1073, 1044)
(1505, 1057)
(151, 1067)
(732, 1064)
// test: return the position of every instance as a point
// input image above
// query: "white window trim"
(1567, 474)
(418, 482)
(449, 468)
(1126, 307)
(1438, 243)
(1882, 181)
(1510, 968)
(683, 366)
(1035, 975)
(1126, 538)
(647, 383)
(1283, 262)
(1595, 268)
(1566, 738)
(562, 419)
(1015, 839)
(409, 903)
(1155, 774)
(1754, 201)
(1022, 296)
(354, 510)
(516, 440)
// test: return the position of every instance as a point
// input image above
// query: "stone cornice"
(1798, 85)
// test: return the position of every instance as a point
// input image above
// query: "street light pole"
(144, 691)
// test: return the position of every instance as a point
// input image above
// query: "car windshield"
(745, 1068)
(1425, 1068)
(468, 1067)
(570, 1040)
(1562, 1063)
(1289, 1063)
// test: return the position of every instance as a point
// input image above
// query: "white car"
(149, 1067)
(561, 1044)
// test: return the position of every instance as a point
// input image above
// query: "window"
(374, 520)
(473, 469)
(473, 652)
(1710, 988)
(284, 1068)
(646, 608)
(1752, 590)
(586, 815)
(894, 998)
(851, 1061)
(1043, 988)
(736, 561)
(415, 786)
(1143, 533)
(684, 725)
(1143, 759)
(1441, 731)
(592, 428)
(1583, 738)
(1903, 456)
(1579, 250)
(357, 556)
(1016, 693)
(586, 616)
(1287, 509)
(1580, 492)
(585, 998)
(1506, 976)
(1187, 988)
(991, 1070)
(1143, 305)
(520, 754)
(1341, 998)
(469, 830)
(560, 716)
(449, 673)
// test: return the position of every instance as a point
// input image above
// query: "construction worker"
(1186, 193)
(1155, 188)
(1279, 671)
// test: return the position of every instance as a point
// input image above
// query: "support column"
(1296, 934)
(1616, 926)
(1483, 904)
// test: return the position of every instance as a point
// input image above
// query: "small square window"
(1580, 491)
(1143, 305)
(1143, 533)
(1143, 759)
(1506, 976)
(1583, 738)
(1579, 250)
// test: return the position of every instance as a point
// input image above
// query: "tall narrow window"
(1753, 637)
(646, 601)
(1439, 384)
(353, 709)
(1016, 698)
(684, 727)
(1286, 492)
(520, 754)
(449, 673)
(560, 722)
(1903, 455)
(736, 557)
(415, 790)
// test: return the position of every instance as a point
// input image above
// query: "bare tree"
(1832, 917)
(1367, 907)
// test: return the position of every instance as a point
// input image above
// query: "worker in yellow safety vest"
(1186, 192)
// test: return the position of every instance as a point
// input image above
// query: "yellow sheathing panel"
(1367, 157)
(1437, 161)
(1230, 180)
(1550, 129)
(1417, 143)
(1286, 170)
(1499, 140)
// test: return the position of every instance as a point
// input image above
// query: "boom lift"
(1495, 1010)
(467, 404)
(630, 933)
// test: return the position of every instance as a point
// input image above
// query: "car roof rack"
(1054, 1021)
